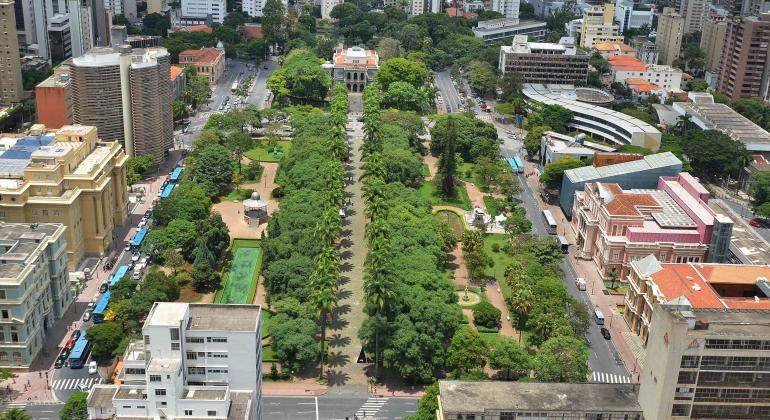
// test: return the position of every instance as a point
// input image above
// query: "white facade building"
(415, 7)
(81, 27)
(326, 7)
(667, 77)
(56, 29)
(201, 9)
(194, 361)
(628, 18)
(508, 8)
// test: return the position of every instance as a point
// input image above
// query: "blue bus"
(119, 274)
(167, 190)
(101, 307)
(138, 239)
(519, 163)
(515, 166)
(176, 174)
(79, 354)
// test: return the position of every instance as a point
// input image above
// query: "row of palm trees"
(325, 277)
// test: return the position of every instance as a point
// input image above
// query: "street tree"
(467, 351)
(76, 407)
(562, 359)
(509, 357)
(104, 339)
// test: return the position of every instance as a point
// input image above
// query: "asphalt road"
(258, 92)
(443, 82)
(336, 407)
(41, 411)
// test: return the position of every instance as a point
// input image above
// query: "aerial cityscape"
(384, 210)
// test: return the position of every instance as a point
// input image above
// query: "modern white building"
(506, 28)
(194, 361)
(555, 146)
(198, 11)
(34, 288)
(629, 17)
(508, 8)
(56, 29)
(626, 67)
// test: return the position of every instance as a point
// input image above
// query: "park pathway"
(347, 376)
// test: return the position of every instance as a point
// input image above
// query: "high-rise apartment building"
(694, 13)
(194, 361)
(743, 70)
(598, 26)
(669, 35)
(707, 363)
(326, 6)
(712, 40)
(546, 63)
(508, 8)
(69, 176)
(254, 8)
(645, 50)
(127, 95)
(54, 98)
(34, 288)
(11, 88)
(630, 15)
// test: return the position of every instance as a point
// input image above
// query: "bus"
(138, 239)
(167, 190)
(515, 166)
(234, 87)
(519, 163)
(80, 351)
(101, 307)
(175, 174)
(550, 222)
(119, 274)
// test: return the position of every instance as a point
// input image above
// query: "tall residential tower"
(10, 64)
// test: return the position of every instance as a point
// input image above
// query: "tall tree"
(447, 163)
(562, 359)
(508, 356)
(467, 351)
(476, 258)
(274, 22)
(76, 407)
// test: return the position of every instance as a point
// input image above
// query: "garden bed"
(263, 153)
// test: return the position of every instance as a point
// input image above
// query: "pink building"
(673, 222)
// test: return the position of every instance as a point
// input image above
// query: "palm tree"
(15, 414)
(378, 288)
(328, 227)
(522, 301)
(324, 300)
(683, 123)
(338, 146)
(375, 207)
(374, 167)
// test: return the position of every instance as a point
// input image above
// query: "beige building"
(69, 176)
(492, 400)
(546, 63)
(712, 41)
(598, 26)
(208, 62)
(669, 35)
(11, 89)
(34, 289)
(157, 6)
(694, 13)
(707, 363)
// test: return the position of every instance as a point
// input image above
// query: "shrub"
(277, 192)
(495, 247)
(486, 315)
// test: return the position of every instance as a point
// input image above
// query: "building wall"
(669, 35)
(598, 26)
(156, 6)
(327, 6)
(546, 68)
(97, 100)
(11, 89)
(743, 72)
(694, 13)
(202, 8)
(151, 110)
(666, 77)
(54, 105)
(713, 41)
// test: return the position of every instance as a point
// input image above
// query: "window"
(3, 356)
(174, 346)
(146, 339)
(196, 370)
(5, 314)
(174, 334)
(191, 355)
(188, 412)
(217, 355)
(134, 371)
(217, 370)
(160, 392)
(216, 339)
(154, 378)
(2, 294)
(211, 413)
(193, 339)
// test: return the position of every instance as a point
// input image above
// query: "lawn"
(262, 154)
(491, 204)
(468, 168)
(240, 283)
(429, 192)
(268, 355)
(425, 170)
(239, 195)
(500, 260)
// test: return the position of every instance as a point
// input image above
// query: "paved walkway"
(345, 374)
(232, 211)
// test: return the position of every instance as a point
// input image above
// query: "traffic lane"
(448, 90)
(747, 214)
(258, 92)
(44, 411)
(289, 408)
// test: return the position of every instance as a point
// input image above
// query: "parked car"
(75, 334)
(59, 363)
(136, 276)
(91, 305)
(104, 287)
(64, 353)
(92, 367)
(87, 316)
(755, 223)
(135, 257)
(605, 333)
(70, 344)
(127, 247)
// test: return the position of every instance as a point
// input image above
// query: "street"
(443, 82)
(337, 407)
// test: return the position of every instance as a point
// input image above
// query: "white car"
(135, 257)
(92, 368)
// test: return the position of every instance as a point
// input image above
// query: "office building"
(708, 363)
(712, 42)
(11, 89)
(704, 286)
(743, 70)
(598, 25)
(142, 41)
(54, 98)
(127, 95)
(625, 67)
(593, 119)
(546, 63)
(536, 400)
(630, 15)
(507, 8)
(645, 50)
(208, 62)
(415, 7)
(354, 66)
(555, 146)
(642, 173)
(694, 13)
(669, 35)
(506, 28)
(68, 176)
(194, 361)
(158, 6)
(201, 11)
(34, 288)
(608, 49)
(614, 227)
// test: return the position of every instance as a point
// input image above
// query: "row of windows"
(192, 355)
(210, 413)
(208, 339)
(202, 370)
(726, 362)
(738, 344)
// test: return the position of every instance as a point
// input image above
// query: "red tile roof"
(203, 55)
(175, 72)
(253, 31)
(626, 63)
(646, 88)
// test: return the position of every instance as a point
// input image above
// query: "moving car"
(605, 333)
(580, 283)
(755, 223)
(70, 343)
(75, 334)
(92, 368)
(87, 316)
(135, 257)
(104, 287)
(83, 388)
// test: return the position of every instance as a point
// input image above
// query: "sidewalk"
(586, 269)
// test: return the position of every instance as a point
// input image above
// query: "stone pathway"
(232, 211)
(345, 374)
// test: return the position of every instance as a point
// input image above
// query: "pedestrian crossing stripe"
(610, 378)
(371, 407)
(74, 382)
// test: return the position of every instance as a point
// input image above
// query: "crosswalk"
(74, 382)
(609, 378)
(370, 408)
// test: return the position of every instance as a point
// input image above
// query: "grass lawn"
(500, 260)
(268, 355)
(463, 171)
(429, 192)
(619, 289)
(425, 170)
(491, 205)
(452, 219)
(240, 284)
(261, 153)
(188, 294)
(266, 318)
(240, 194)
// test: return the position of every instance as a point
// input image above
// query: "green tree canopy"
(485, 314)
(554, 171)
(509, 357)
(714, 154)
(467, 351)
(105, 339)
(401, 70)
(562, 359)
(76, 407)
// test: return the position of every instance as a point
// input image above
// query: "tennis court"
(241, 281)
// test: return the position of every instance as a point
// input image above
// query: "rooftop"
(477, 397)
(18, 241)
(494, 26)
(175, 72)
(127, 392)
(101, 396)
(209, 393)
(626, 63)
(561, 143)
(253, 31)
(208, 317)
(520, 45)
(712, 286)
(203, 55)
(590, 173)
(356, 57)
(613, 46)
(164, 365)
(745, 244)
